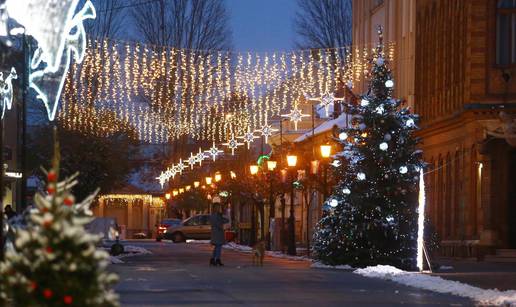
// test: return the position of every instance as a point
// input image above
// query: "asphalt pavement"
(179, 275)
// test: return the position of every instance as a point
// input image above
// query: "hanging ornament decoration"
(180, 167)
(266, 131)
(295, 116)
(200, 156)
(248, 138)
(361, 176)
(232, 144)
(326, 101)
(334, 203)
(389, 84)
(214, 151)
(403, 170)
(364, 102)
(6, 90)
(346, 191)
(192, 160)
(343, 136)
(384, 146)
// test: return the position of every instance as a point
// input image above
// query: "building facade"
(462, 69)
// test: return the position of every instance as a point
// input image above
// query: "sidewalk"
(486, 275)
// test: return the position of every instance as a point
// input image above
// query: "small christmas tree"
(54, 261)
(371, 216)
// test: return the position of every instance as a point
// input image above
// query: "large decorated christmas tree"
(54, 261)
(371, 217)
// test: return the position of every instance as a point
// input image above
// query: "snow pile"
(238, 247)
(129, 251)
(285, 256)
(438, 284)
(319, 265)
(198, 241)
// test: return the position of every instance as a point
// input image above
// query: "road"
(179, 275)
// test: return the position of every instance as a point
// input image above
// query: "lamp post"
(208, 180)
(291, 247)
(196, 184)
(218, 177)
(325, 154)
(271, 166)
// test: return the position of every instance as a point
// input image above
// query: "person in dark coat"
(217, 234)
(9, 212)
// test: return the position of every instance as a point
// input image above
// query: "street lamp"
(181, 190)
(218, 177)
(325, 151)
(271, 165)
(253, 169)
(208, 180)
(175, 193)
(196, 184)
(167, 196)
(291, 249)
(188, 187)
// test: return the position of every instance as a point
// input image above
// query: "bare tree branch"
(109, 19)
(323, 23)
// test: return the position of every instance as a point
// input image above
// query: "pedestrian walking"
(217, 234)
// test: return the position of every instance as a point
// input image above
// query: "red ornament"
(47, 224)
(47, 293)
(51, 176)
(49, 250)
(68, 201)
(68, 299)
(33, 285)
(51, 189)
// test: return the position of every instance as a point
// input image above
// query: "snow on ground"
(438, 284)
(319, 265)
(129, 251)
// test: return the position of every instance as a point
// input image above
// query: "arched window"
(506, 32)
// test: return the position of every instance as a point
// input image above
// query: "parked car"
(196, 227)
(162, 227)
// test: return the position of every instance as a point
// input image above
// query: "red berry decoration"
(51, 189)
(68, 299)
(47, 224)
(47, 293)
(68, 201)
(52, 176)
(49, 250)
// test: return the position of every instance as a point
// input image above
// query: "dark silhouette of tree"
(323, 23)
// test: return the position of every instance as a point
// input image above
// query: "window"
(506, 32)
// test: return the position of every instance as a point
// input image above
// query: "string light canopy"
(190, 92)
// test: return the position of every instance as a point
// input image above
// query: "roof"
(326, 126)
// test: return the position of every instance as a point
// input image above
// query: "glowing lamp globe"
(196, 184)
(208, 180)
(253, 169)
(218, 177)
(188, 187)
(181, 190)
(291, 160)
(168, 196)
(175, 193)
(271, 165)
(343, 136)
(325, 151)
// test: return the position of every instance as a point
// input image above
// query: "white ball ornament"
(410, 122)
(346, 191)
(361, 176)
(343, 136)
(384, 146)
(389, 83)
(403, 170)
(379, 61)
(380, 109)
(387, 137)
(364, 102)
(335, 163)
(334, 203)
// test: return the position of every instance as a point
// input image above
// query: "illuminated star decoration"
(6, 90)
(180, 166)
(326, 101)
(232, 144)
(214, 151)
(295, 116)
(192, 160)
(162, 179)
(199, 157)
(60, 33)
(248, 137)
(266, 131)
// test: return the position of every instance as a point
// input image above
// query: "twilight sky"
(262, 25)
